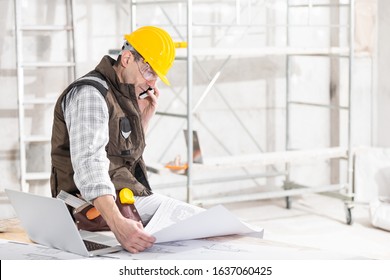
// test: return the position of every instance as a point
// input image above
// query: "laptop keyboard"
(92, 246)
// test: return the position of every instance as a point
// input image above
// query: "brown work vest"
(126, 137)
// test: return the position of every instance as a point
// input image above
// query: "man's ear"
(126, 58)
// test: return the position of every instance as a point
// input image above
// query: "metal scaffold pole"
(189, 101)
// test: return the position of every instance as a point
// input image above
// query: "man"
(99, 127)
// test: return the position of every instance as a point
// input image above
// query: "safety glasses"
(147, 71)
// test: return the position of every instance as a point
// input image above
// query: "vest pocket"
(128, 137)
(125, 127)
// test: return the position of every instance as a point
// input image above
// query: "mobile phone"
(145, 94)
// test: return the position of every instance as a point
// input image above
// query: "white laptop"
(47, 221)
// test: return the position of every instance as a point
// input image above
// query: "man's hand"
(148, 107)
(130, 233)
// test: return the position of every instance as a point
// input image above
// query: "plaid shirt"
(86, 116)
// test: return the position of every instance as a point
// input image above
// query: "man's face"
(139, 73)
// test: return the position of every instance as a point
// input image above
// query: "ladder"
(31, 102)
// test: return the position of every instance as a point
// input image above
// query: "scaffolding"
(340, 32)
(36, 30)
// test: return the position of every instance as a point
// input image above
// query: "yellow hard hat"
(156, 47)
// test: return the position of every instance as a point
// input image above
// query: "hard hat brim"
(162, 78)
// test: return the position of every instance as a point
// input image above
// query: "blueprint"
(217, 248)
(176, 221)
(11, 250)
